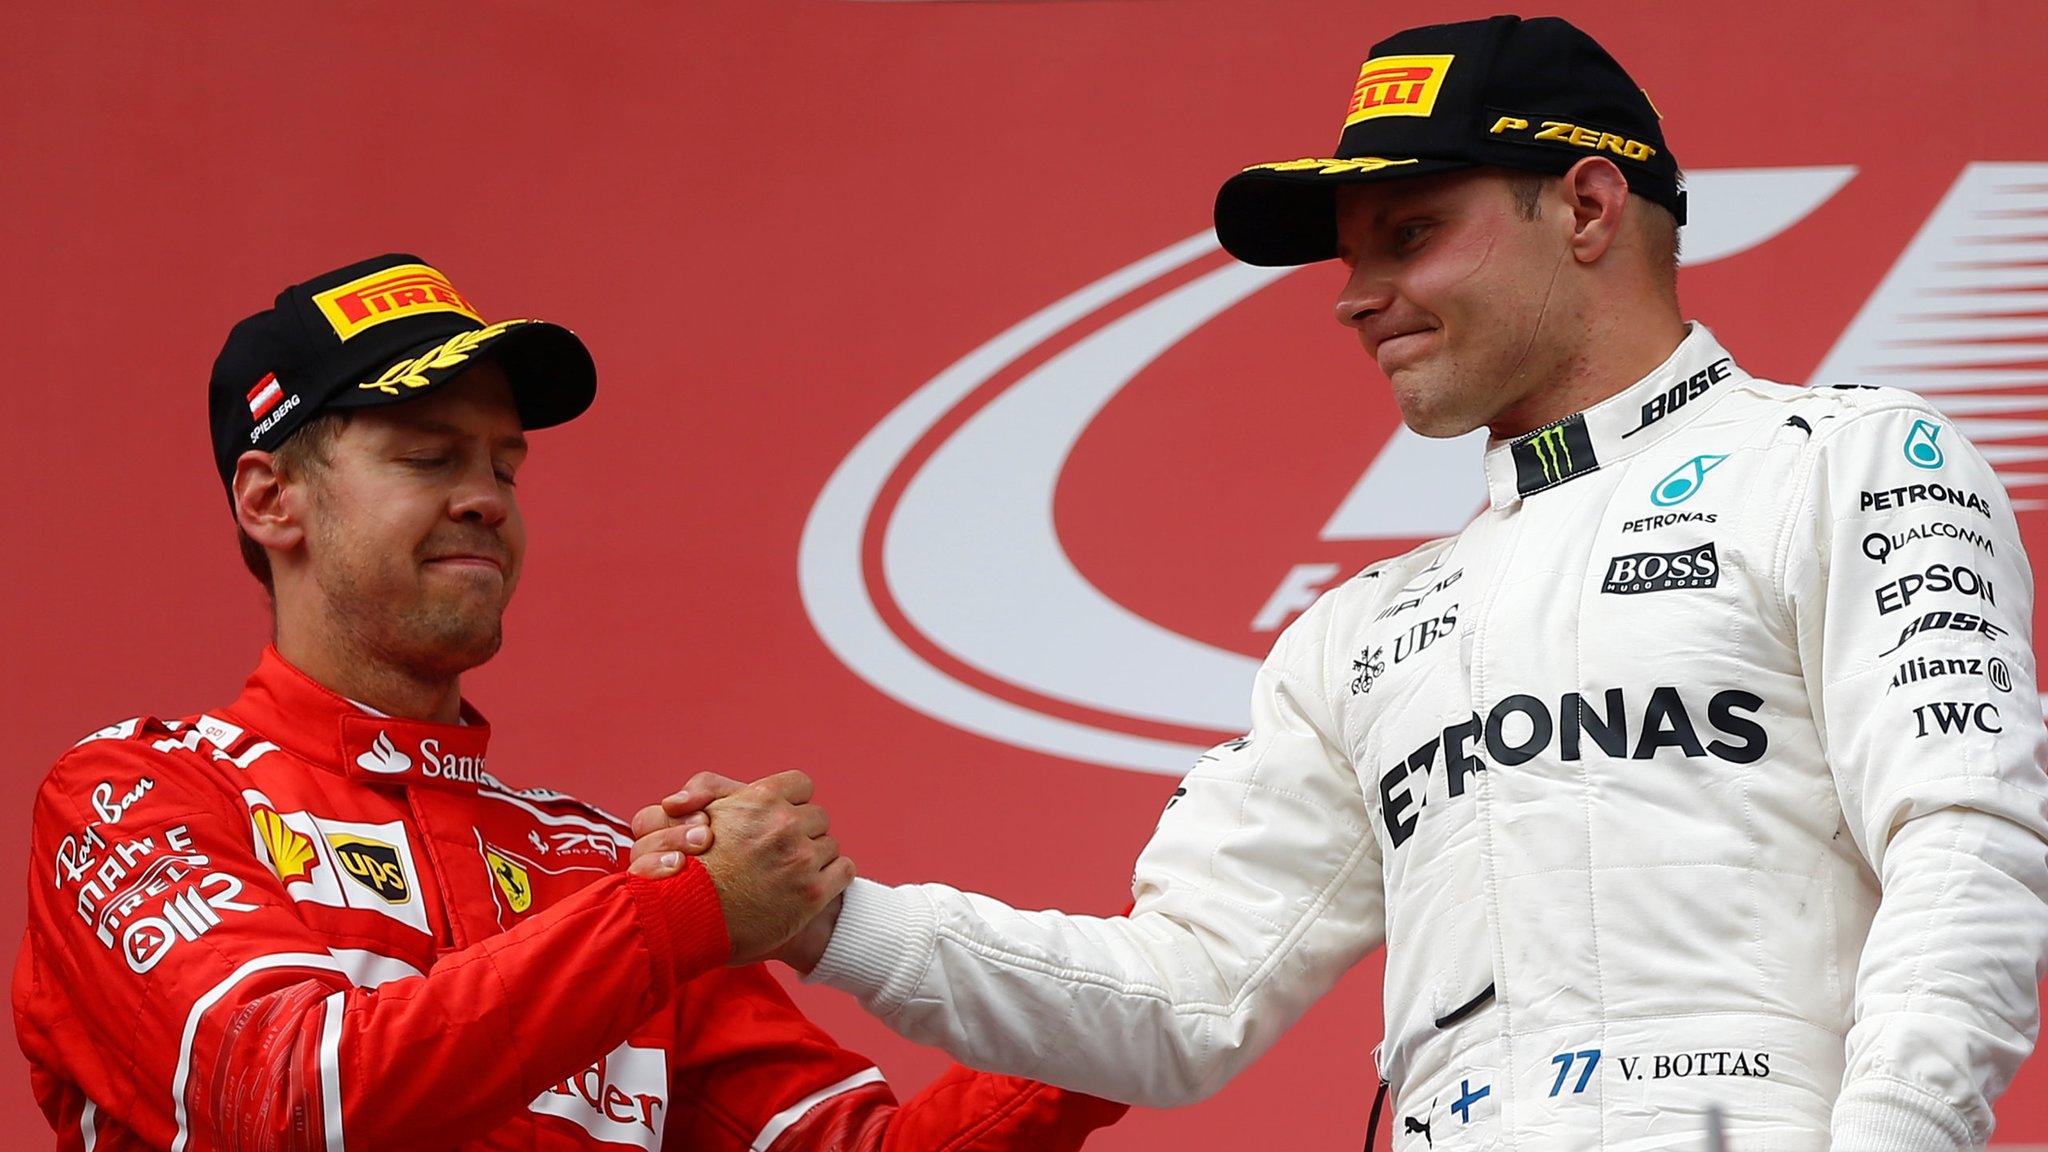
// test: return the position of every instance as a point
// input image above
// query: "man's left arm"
(1914, 613)
(752, 1072)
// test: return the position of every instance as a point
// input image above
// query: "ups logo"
(373, 864)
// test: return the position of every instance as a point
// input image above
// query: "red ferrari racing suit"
(296, 924)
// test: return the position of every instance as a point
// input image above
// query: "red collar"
(290, 709)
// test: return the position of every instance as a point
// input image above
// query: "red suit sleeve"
(960, 1111)
(753, 1073)
(168, 975)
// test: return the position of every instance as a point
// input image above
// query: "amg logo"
(1639, 572)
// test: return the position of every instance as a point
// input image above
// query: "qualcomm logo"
(970, 563)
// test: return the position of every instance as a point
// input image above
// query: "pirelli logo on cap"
(1397, 86)
(390, 294)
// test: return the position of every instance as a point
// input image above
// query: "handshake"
(770, 854)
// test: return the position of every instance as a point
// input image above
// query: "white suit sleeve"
(1259, 889)
(1915, 616)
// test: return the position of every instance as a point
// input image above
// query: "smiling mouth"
(480, 563)
(1397, 352)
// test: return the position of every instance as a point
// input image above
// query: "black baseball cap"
(381, 331)
(1536, 95)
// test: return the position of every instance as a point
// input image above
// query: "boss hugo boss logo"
(1898, 594)
(1639, 572)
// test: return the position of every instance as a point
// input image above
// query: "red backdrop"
(776, 223)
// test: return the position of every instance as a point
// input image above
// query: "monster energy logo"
(1553, 455)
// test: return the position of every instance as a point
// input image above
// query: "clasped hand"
(772, 857)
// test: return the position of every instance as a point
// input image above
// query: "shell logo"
(291, 852)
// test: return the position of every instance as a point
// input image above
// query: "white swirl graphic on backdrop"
(972, 556)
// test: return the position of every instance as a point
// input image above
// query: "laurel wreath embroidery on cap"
(412, 373)
(1330, 167)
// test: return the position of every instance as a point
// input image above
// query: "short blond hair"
(304, 453)
(1660, 227)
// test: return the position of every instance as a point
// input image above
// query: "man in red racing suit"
(297, 922)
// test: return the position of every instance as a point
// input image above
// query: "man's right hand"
(773, 861)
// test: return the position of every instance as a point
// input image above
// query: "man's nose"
(1367, 293)
(480, 496)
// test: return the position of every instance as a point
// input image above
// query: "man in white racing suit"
(1702, 770)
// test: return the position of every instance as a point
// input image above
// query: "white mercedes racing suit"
(1703, 768)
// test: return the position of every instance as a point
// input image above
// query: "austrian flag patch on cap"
(264, 396)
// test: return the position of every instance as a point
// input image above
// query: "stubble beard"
(424, 639)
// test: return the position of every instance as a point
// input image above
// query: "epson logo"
(1899, 594)
(1639, 572)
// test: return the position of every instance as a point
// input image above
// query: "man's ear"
(1597, 194)
(260, 505)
